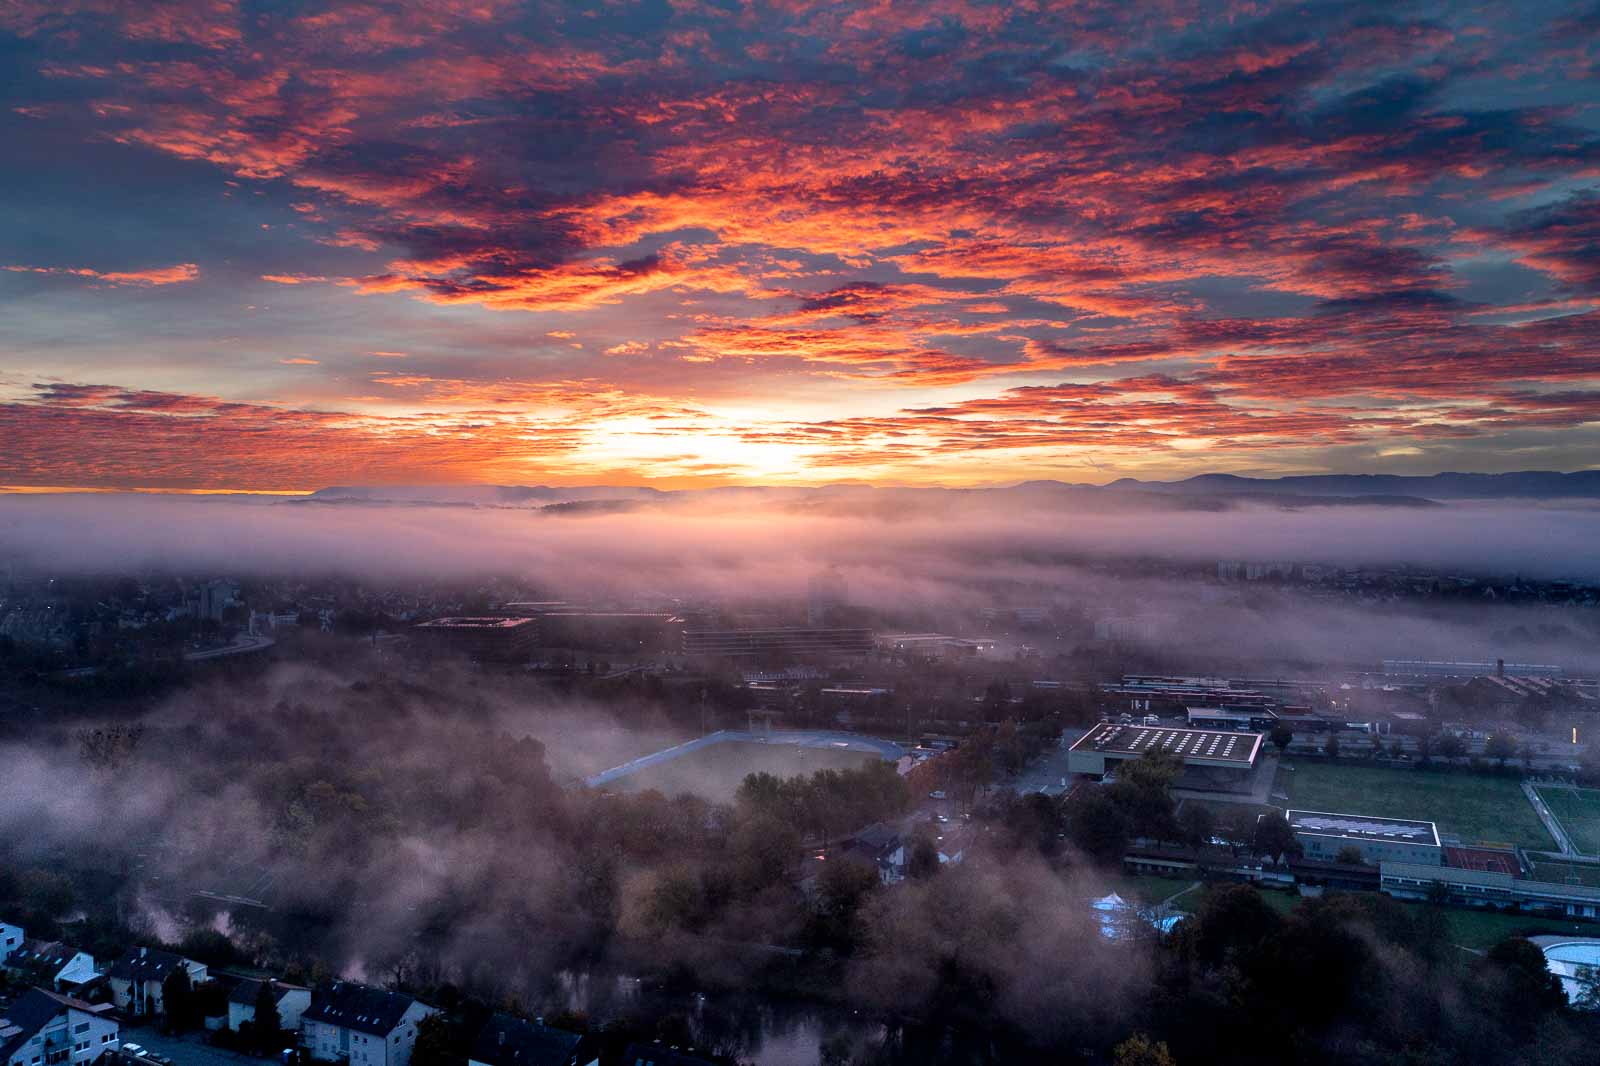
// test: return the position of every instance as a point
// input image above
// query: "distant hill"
(1527, 484)
(847, 499)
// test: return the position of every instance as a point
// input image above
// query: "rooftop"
(1364, 827)
(359, 1007)
(508, 1041)
(475, 623)
(146, 964)
(1200, 745)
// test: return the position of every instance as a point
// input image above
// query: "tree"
(923, 860)
(434, 1046)
(1350, 855)
(1097, 826)
(1330, 747)
(1501, 747)
(177, 1000)
(1449, 746)
(1274, 836)
(267, 1029)
(1140, 1050)
(1282, 736)
(1197, 824)
(1143, 791)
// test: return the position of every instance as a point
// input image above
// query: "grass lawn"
(1578, 811)
(1472, 807)
(1147, 888)
(1485, 929)
(716, 772)
(1479, 930)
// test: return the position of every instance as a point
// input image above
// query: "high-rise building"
(826, 593)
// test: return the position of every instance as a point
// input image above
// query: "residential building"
(11, 938)
(660, 1055)
(881, 848)
(361, 1025)
(44, 1028)
(292, 1002)
(50, 962)
(510, 1041)
(137, 979)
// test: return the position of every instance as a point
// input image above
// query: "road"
(1046, 773)
(1550, 821)
(242, 643)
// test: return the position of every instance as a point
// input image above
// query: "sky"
(272, 247)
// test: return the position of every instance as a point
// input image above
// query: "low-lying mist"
(763, 549)
(923, 568)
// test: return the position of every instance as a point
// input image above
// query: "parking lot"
(187, 1050)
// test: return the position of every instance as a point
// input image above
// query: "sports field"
(1469, 806)
(1578, 811)
(715, 772)
(1564, 873)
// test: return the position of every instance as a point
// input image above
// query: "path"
(1550, 821)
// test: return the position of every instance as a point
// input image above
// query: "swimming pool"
(1568, 960)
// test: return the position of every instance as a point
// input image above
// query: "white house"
(11, 938)
(45, 1028)
(137, 977)
(362, 1026)
(292, 1003)
(50, 962)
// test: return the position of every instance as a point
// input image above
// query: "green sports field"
(1564, 873)
(1472, 807)
(1578, 811)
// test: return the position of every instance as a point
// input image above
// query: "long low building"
(782, 641)
(485, 639)
(1324, 835)
(1229, 754)
(1487, 888)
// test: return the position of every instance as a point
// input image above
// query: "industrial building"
(490, 639)
(1152, 693)
(1429, 668)
(1211, 759)
(1239, 719)
(1380, 840)
(778, 643)
(933, 645)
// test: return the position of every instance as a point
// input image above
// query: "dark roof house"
(358, 1007)
(660, 1055)
(509, 1041)
(32, 1011)
(147, 964)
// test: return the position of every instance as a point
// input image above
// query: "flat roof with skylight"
(1364, 827)
(1196, 747)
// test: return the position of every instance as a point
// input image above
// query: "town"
(805, 761)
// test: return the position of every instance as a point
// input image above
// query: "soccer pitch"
(1578, 811)
(1472, 807)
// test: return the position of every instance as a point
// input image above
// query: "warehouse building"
(784, 643)
(1212, 759)
(488, 639)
